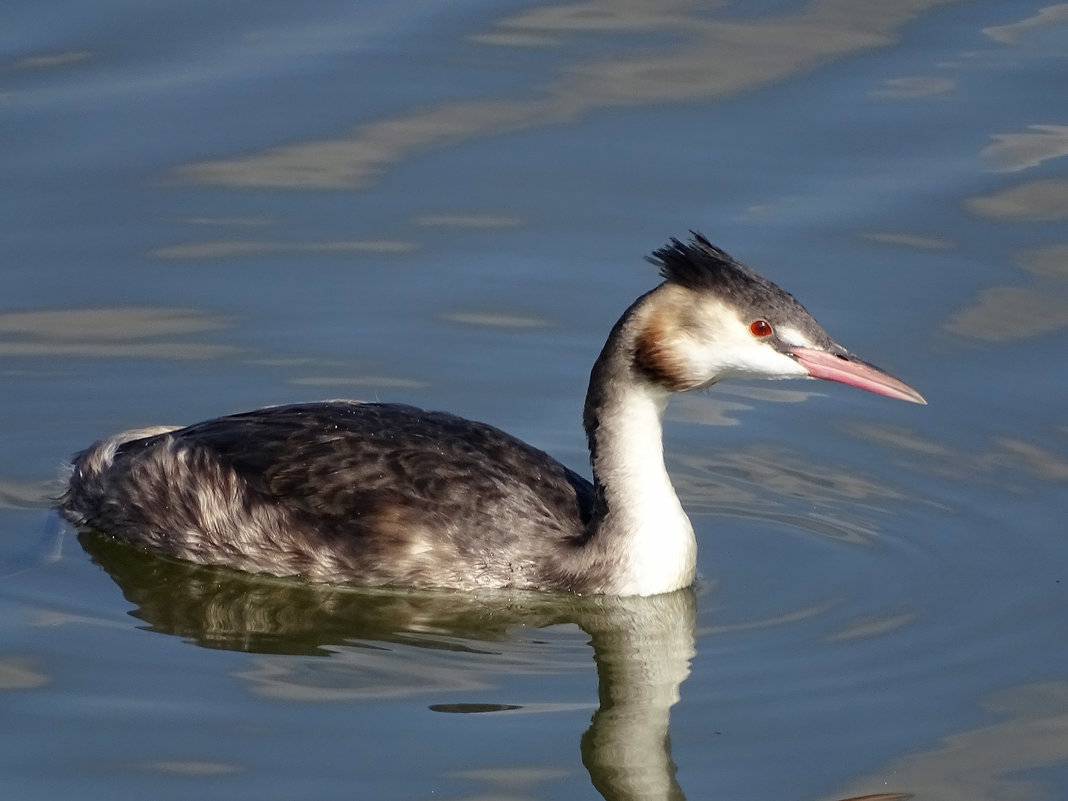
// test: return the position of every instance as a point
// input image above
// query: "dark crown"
(700, 265)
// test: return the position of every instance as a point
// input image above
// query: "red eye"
(760, 328)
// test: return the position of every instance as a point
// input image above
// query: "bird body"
(385, 494)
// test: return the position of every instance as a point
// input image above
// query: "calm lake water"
(212, 207)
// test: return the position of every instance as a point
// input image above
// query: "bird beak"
(852, 371)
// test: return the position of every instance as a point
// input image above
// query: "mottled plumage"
(343, 491)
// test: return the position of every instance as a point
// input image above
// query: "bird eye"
(760, 328)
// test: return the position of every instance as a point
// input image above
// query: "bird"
(389, 495)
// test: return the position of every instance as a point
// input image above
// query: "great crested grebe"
(385, 494)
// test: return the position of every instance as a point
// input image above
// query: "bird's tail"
(88, 470)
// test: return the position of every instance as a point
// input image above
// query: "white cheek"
(761, 361)
(731, 351)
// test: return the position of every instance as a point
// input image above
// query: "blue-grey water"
(212, 207)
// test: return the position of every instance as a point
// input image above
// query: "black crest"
(700, 265)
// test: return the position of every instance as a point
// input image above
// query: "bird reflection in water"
(642, 646)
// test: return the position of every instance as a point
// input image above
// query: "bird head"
(715, 318)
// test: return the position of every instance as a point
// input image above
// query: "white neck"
(644, 530)
(640, 531)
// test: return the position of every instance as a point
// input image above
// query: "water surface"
(211, 208)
